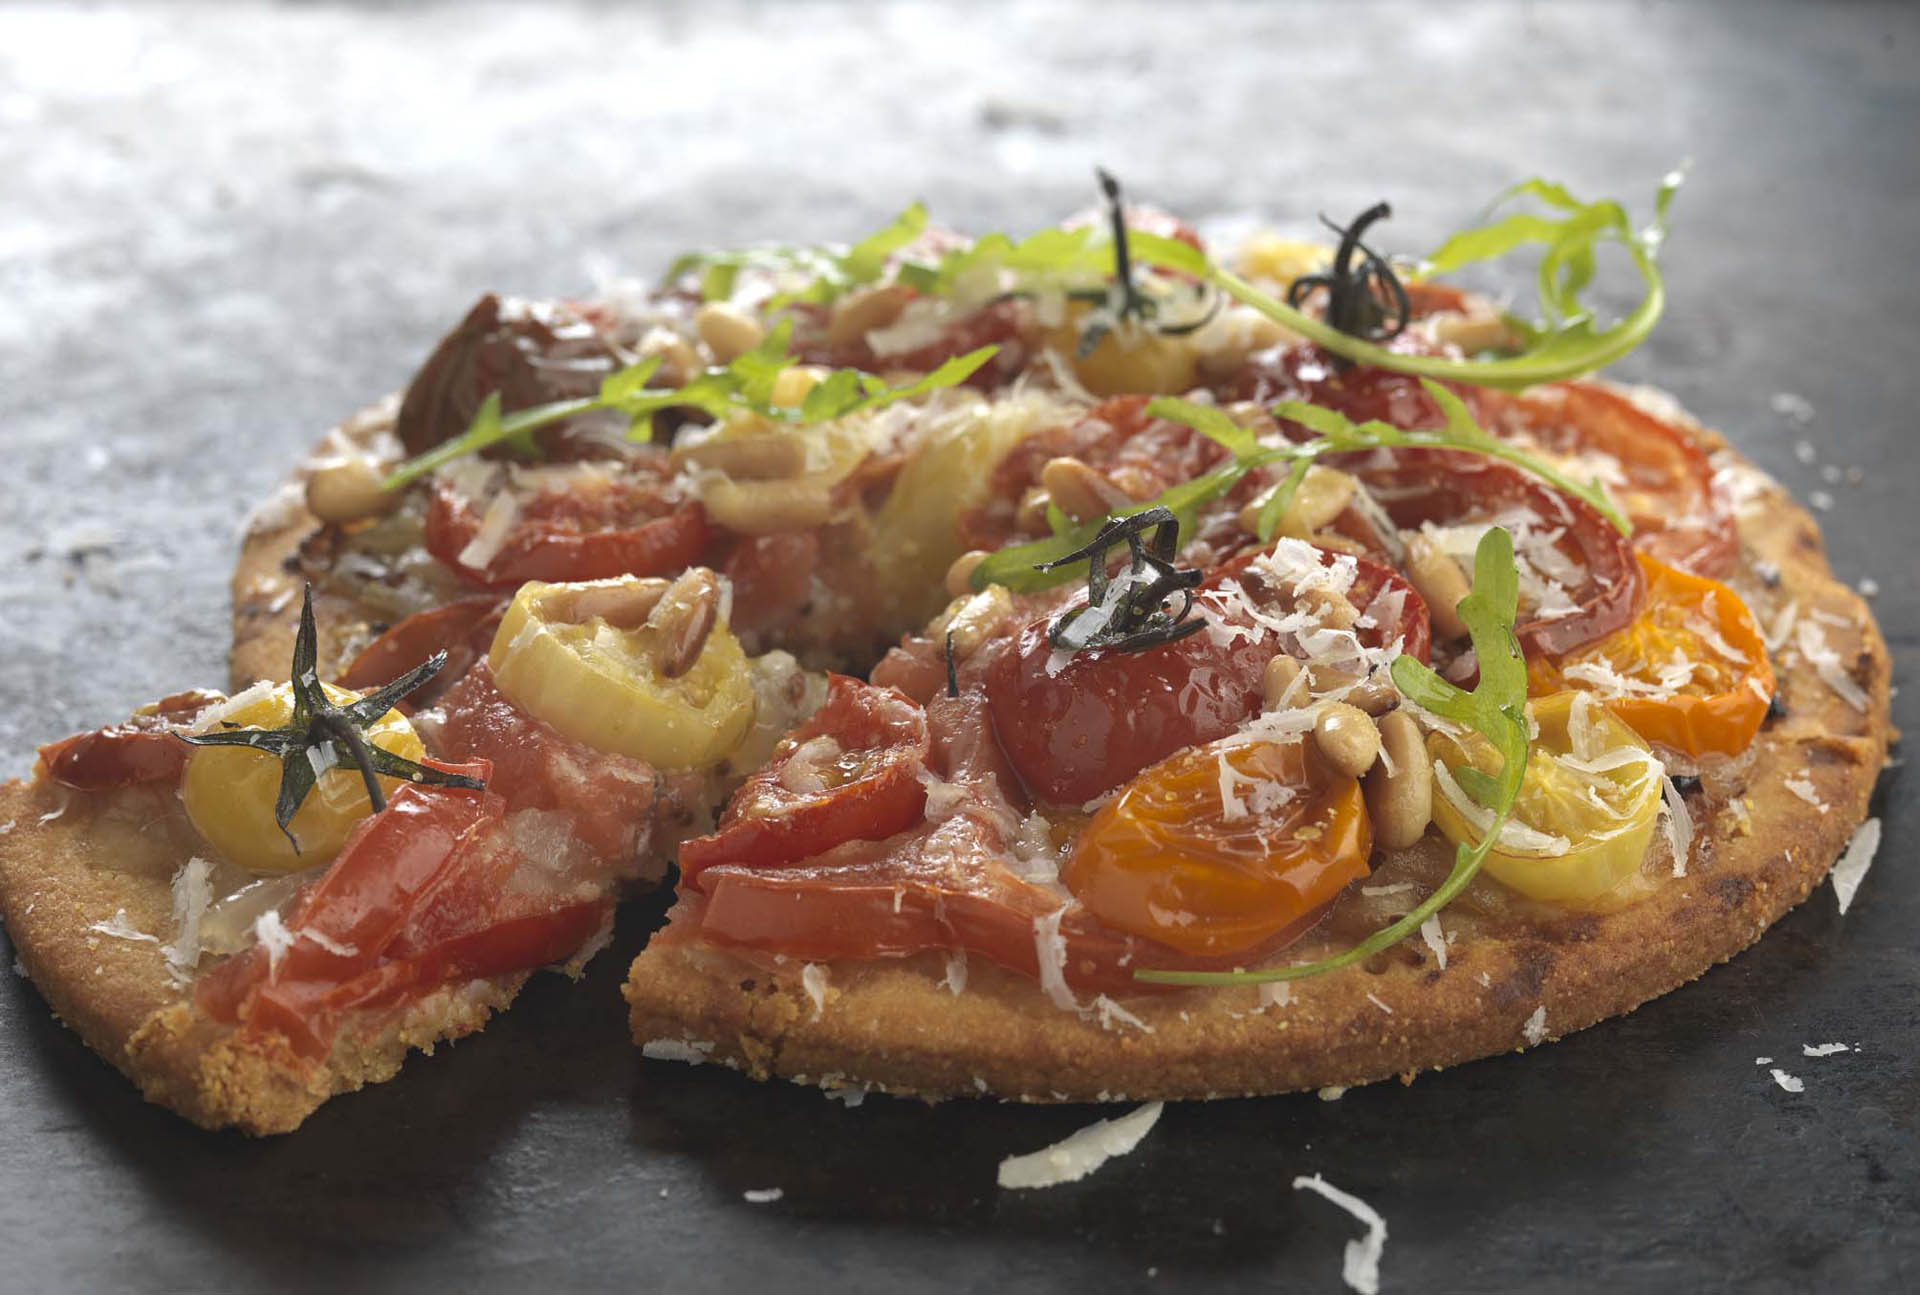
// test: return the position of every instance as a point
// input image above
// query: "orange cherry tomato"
(1217, 849)
(1690, 672)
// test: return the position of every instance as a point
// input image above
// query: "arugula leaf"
(832, 274)
(1566, 343)
(1496, 709)
(1335, 433)
(744, 386)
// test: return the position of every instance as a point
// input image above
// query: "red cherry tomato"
(1678, 516)
(1361, 392)
(850, 773)
(144, 749)
(1422, 485)
(462, 629)
(628, 526)
(1005, 324)
(772, 578)
(1077, 726)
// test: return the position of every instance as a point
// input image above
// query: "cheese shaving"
(1050, 948)
(120, 928)
(1515, 836)
(762, 1195)
(1787, 1081)
(338, 948)
(192, 892)
(1678, 822)
(1360, 1266)
(1435, 939)
(1822, 1049)
(1534, 1030)
(1275, 993)
(1079, 1154)
(692, 1051)
(498, 523)
(1111, 1011)
(1853, 864)
(813, 979)
(956, 978)
(1812, 642)
(1802, 786)
(274, 937)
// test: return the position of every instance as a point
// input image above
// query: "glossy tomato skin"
(462, 629)
(1077, 726)
(1419, 485)
(1360, 391)
(1679, 516)
(144, 749)
(852, 772)
(631, 528)
(1173, 859)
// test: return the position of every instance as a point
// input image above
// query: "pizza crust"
(72, 861)
(896, 1027)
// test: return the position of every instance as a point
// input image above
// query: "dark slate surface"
(223, 227)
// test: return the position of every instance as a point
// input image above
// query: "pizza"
(1068, 667)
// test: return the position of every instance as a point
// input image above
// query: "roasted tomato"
(1585, 813)
(230, 791)
(1005, 323)
(1077, 727)
(850, 773)
(1361, 392)
(144, 749)
(462, 629)
(1691, 672)
(638, 667)
(1655, 472)
(1219, 849)
(420, 896)
(590, 528)
(1603, 588)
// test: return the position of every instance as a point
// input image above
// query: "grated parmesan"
(1679, 825)
(1360, 1266)
(1435, 939)
(692, 1051)
(1787, 1081)
(1822, 1049)
(1534, 1030)
(1852, 867)
(120, 928)
(1050, 948)
(1079, 1154)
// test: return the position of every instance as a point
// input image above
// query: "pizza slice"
(251, 903)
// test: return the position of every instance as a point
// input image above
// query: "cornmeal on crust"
(1507, 983)
(72, 863)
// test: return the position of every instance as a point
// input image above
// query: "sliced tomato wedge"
(1449, 487)
(1078, 727)
(1659, 475)
(850, 773)
(144, 749)
(1691, 672)
(1219, 848)
(462, 629)
(627, 526)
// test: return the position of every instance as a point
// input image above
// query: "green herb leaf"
(1495, 708)
(831, 273)
(1565, 344)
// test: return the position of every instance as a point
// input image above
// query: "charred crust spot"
(1583, 928)
(1776, 707)
(1522, 987)
(1377, 965)
(1731, 892)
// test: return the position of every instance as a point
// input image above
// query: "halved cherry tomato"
(419, 897)
(1078, 727)
(624, 526)
(1668, 492)
(1586, 809)
(144, 749)
(1219, 848)
(462, 629)
(1691, 672)
(1419, 485)
(850, 773)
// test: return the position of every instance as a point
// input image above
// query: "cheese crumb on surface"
(813, 979)
(1050, 947)
(1079, 1154)
(1435, 938)
(121, 929)
(762, 1195)
(1332, 1092)
(1535, 1028)
(1275, 993)
(691, 1051)
(1822, 1049)
(1377, 1003)
(1111, 1012)
(956, 979)
(1360, 1267)
(1763, 1061)
(1852, 867)
(1787, 1081)
(274, 937)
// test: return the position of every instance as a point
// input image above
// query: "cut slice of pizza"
(244, 922)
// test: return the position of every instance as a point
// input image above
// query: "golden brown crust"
(71, 862)
(895, 1026)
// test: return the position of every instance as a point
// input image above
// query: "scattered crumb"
(1820, 499)
(1763, 1061)
(1868, 587)
(1852, 867)
(762, 1195)
(1789, 405)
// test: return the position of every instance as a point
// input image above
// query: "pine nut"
(1082, 492)
(679, 362)
(347, 489)
(1323, 494)
(1372, 693)
(1277, 682)
(859, 313)
(1031, 515)
(1440, 582)
(977, 618)
(1400, 803)
(685, 617)
(756, 456)
(1329, 608)
(1473, 331)
(791, 386)
(1347, 738)
(624, 602)
(960, 574)
(728, 331)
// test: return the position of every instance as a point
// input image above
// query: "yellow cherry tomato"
(1221, 849)
(230, 791)
(625, 667)
(1690, 672)
(1586, 809)
(1127, 360)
